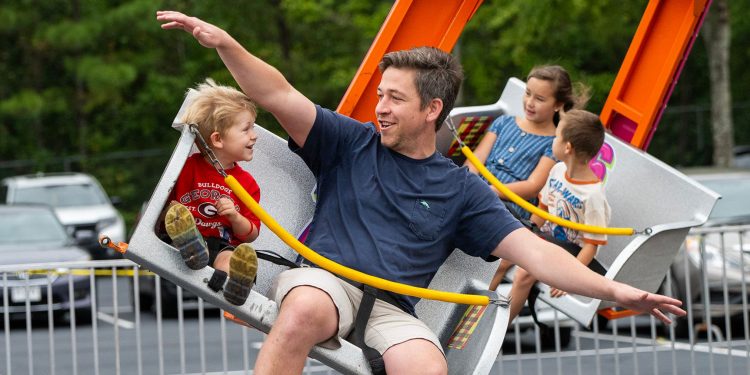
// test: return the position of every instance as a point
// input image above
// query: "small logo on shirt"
(424, 204)
(207, 209)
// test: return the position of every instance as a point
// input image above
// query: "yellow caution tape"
(86, 272)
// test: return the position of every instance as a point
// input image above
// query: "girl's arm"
(531, 187)
(482, 152)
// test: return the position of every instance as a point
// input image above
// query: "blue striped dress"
(515, 154)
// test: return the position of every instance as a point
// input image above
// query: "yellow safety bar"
(536, 210)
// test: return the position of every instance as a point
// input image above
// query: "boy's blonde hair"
(215, 106)
(584, 131)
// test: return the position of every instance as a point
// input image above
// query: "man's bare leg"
(416, 356)
(307, 316)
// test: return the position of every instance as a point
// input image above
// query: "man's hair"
(584, 131)
(214, 107)
(438, 75)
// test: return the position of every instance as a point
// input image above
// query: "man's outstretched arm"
(261, 82)
(556, 267)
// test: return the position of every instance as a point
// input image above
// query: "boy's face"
(236, 144)
(559, 145)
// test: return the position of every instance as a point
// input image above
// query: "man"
(389, 205)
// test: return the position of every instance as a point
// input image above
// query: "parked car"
(33, 234)
(741, 156)
(79, 201)
(731, 210)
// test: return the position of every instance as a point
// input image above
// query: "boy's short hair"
(438, 75)
(214, 107)
(584, 131)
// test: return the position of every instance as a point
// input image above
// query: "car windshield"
(734, 200)
(62, 195)
(30, 226)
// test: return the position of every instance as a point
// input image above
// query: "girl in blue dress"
(518, 150)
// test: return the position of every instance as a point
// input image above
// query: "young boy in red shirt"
(206, 220)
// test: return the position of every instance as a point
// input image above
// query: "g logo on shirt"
(207, 209)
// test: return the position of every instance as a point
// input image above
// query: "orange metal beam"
(651, 68)
(411, 23)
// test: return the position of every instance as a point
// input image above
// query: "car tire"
(146, 302)
(83, 316)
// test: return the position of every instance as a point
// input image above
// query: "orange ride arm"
(651, 68)
(411, 23)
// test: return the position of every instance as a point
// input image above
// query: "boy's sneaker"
(243, 265)
(180, 226)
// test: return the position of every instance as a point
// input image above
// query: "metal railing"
(111, 317)
(87, 318)
(714, 338)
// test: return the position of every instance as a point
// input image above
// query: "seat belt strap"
(357, 336)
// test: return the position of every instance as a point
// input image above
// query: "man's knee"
(308, 309)
(416, 356)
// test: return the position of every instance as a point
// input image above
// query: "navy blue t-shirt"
(392, 216)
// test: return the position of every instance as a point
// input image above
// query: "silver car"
(79, 202)
(33, 234)
(717, 253)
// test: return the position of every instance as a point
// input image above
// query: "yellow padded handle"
(536, 210)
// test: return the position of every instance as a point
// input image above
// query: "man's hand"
(642, 301)
(207, 34)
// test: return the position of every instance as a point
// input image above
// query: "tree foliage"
(89, 78)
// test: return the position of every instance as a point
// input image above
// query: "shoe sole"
(243, 266)
(181, 228)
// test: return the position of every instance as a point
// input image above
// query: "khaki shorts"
(388, 325)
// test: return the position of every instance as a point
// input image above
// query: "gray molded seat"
(286, 186)
(642, 191)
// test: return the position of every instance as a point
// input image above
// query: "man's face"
(402, 122)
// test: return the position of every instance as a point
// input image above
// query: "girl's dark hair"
(573, 96)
